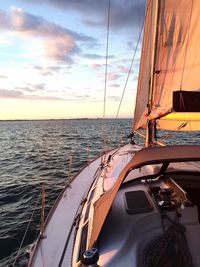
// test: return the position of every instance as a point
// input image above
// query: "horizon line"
(85, 118)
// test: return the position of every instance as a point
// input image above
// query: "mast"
(150, 124)
(169, 58)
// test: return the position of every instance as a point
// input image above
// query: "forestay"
(170, 62)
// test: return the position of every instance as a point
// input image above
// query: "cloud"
(112, 76)
(131, 45)
(93, 23)
(115, 85)
(23, 94)
(113, 98)
(31, 87)
(10, 94)
(95, 56)
(61, 49)
(58, 43)
(82, 98)
(123, 13)
(45, 97)
(26, 88)
(3, 77)
(16, 94)
(127, 13)
(123, 69)
(5, 40)
(96, 65)
(51, 69)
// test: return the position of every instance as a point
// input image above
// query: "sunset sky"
(53, 57)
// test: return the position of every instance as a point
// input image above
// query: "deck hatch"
(137, 202)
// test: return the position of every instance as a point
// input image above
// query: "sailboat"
(140, 205)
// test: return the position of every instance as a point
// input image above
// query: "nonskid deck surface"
(125, 234)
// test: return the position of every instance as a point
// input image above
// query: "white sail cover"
(177, 59)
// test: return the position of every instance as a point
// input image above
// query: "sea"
(49, 153)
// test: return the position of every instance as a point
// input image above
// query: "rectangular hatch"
(137, 202)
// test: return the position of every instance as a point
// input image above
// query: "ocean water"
(33, 153)
(36, 153)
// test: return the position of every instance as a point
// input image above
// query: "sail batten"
(177, 63)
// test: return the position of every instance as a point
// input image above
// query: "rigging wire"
(132, 61)
(106, 57)
(25, 233)
(105, 83)
(129, 72)
(171, 133)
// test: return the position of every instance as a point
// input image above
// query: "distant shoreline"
(64, 119)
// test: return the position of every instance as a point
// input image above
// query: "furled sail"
(170, 62)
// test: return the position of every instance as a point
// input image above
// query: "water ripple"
(39, 152)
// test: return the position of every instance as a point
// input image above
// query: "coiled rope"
(170, 249)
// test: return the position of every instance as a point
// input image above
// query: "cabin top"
(156, 155)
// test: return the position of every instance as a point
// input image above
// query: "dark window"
(91, 194)
(83, 242)
(87, 212)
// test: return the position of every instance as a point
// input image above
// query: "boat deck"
(57, 244)
(126, 233)
(60, 228)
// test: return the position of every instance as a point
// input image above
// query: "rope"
(25, 233)
(170, 249)
(178, 128)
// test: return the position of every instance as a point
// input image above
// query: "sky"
(52, 58)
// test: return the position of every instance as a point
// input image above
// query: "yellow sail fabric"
(180, 121)
(177, 59)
